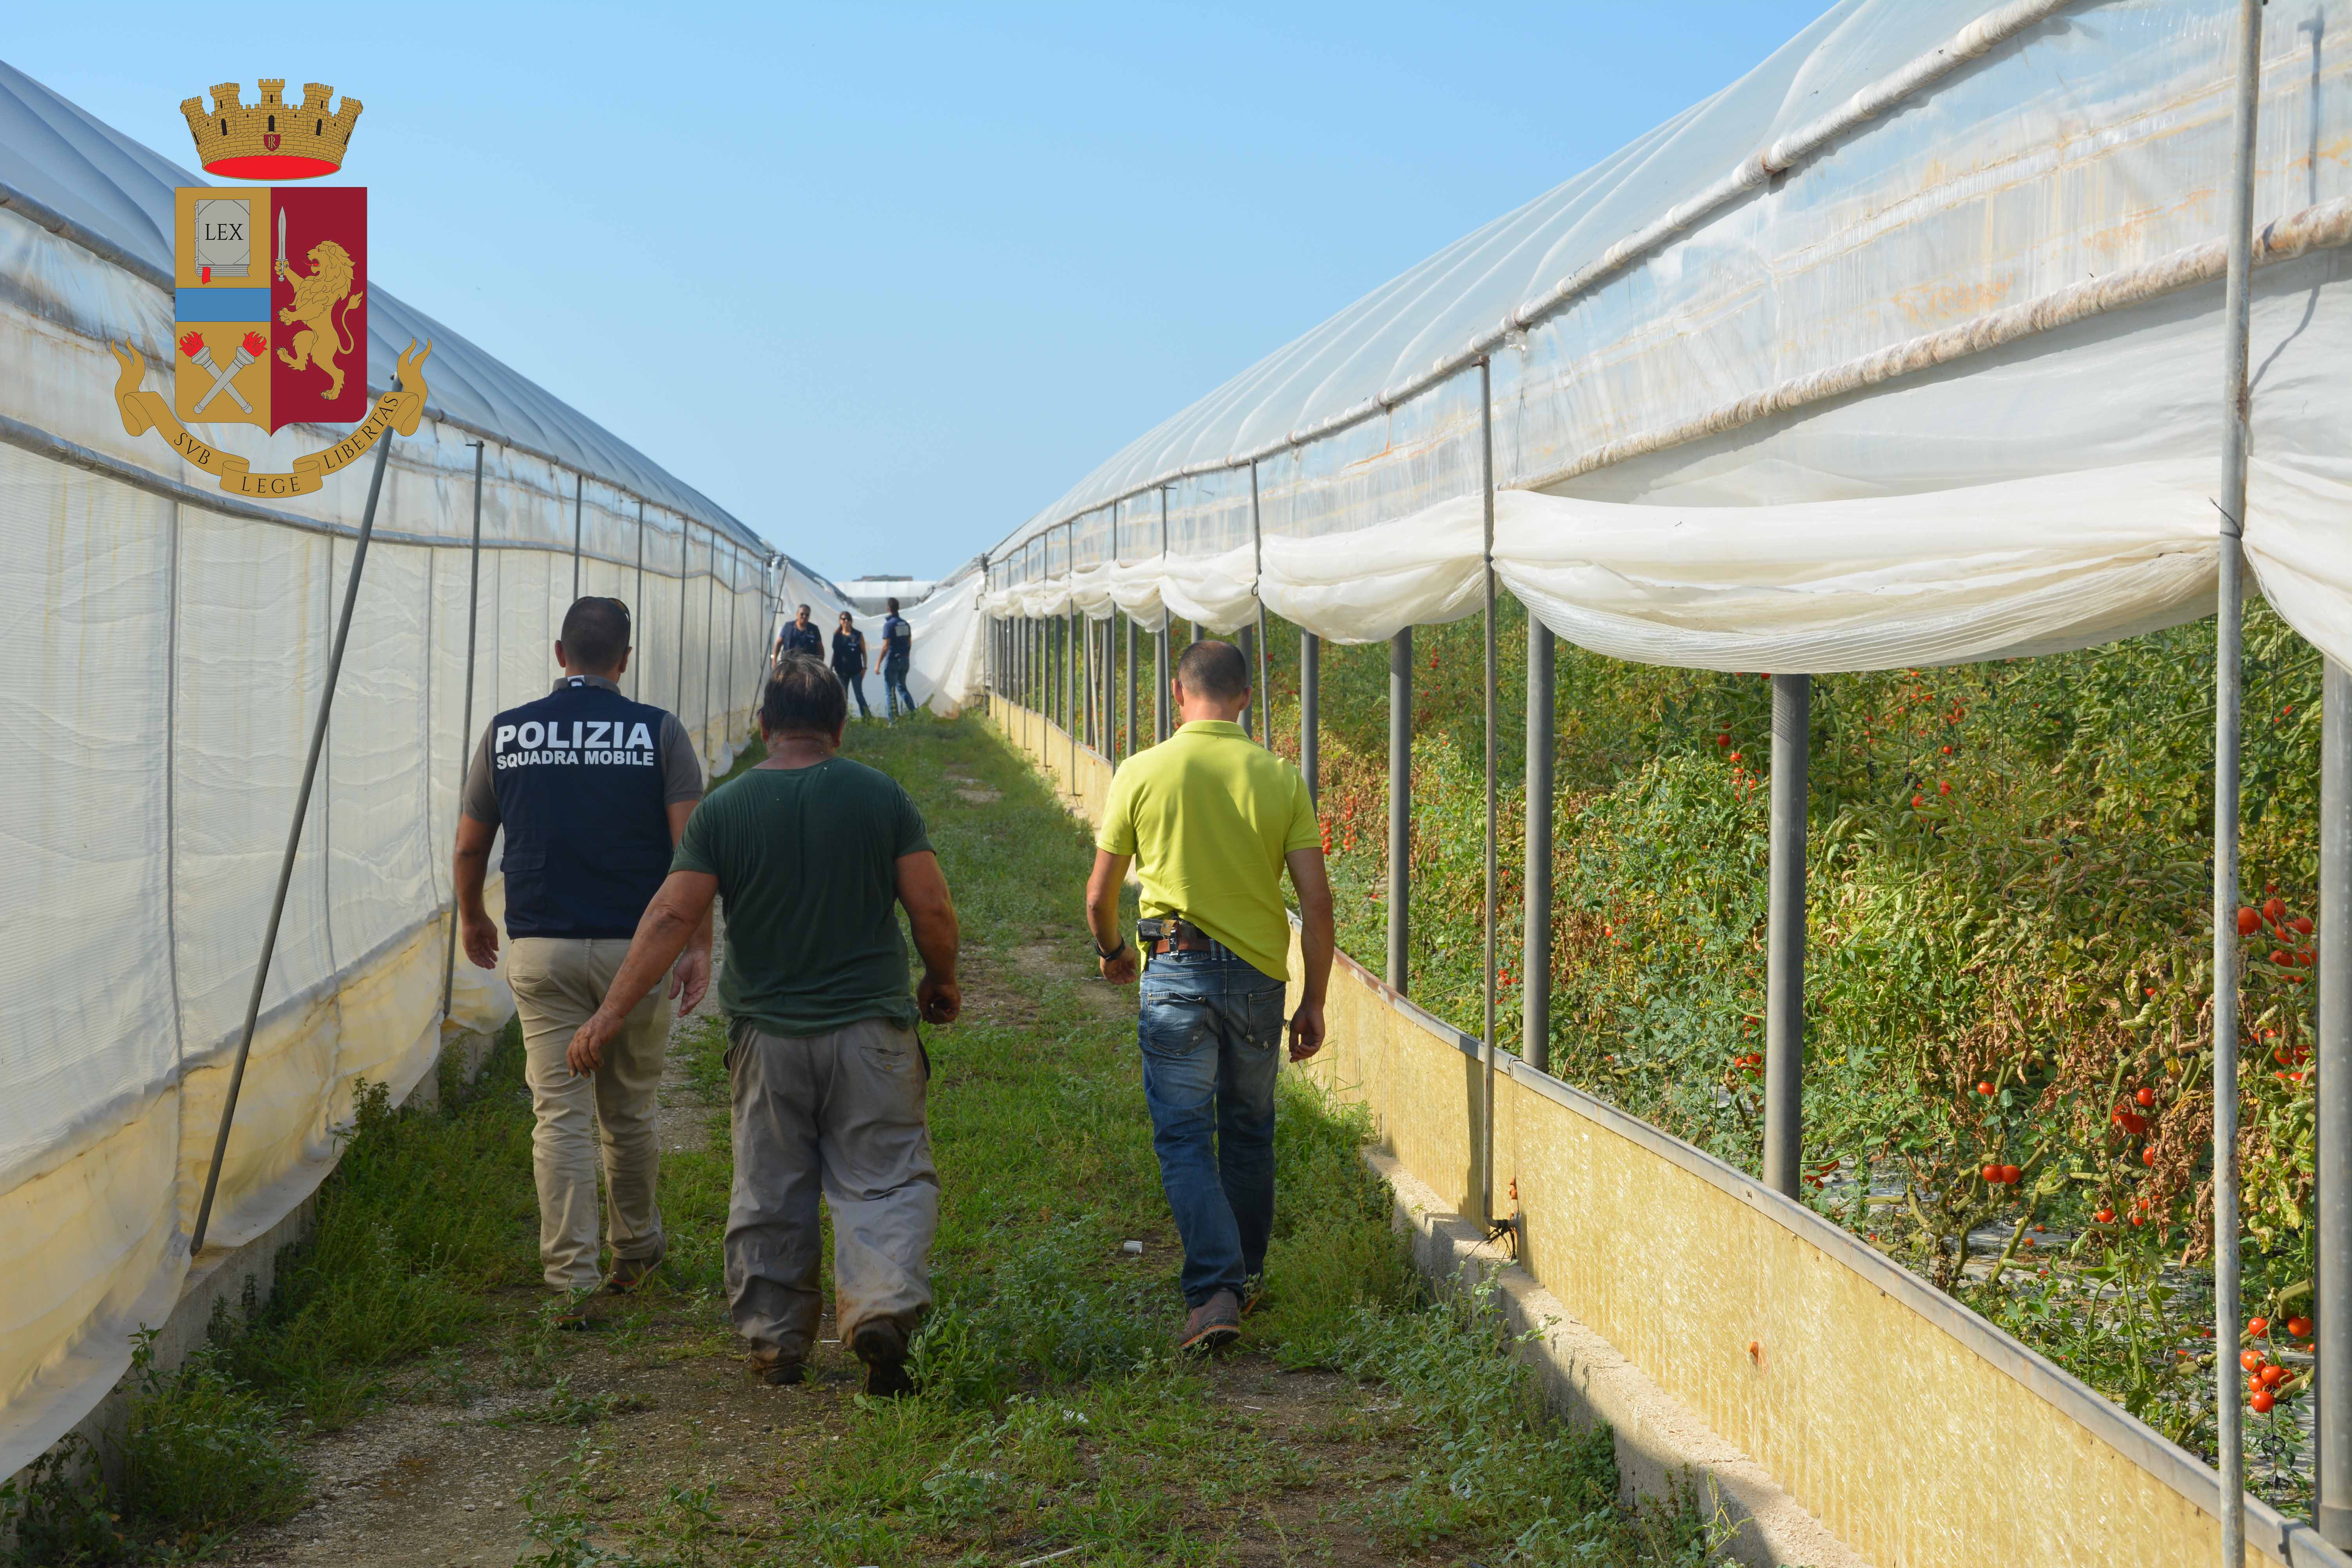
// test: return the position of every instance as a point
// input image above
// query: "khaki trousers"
(557, 983)
(840, 1112)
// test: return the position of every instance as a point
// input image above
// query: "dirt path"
(651, 1444)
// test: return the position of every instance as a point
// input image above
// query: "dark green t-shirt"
(807, 866)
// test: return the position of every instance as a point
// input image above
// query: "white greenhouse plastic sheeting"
(1906, 349)
(168, 644)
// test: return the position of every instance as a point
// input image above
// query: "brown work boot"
(881, 1344)
(1214, 1323)
(628, 1273)
(774, 1369)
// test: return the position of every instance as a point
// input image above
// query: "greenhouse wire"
(293, 846)
(2228, 677)
(465, 731)
(2332, 1302)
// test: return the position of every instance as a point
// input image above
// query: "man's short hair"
(596, 633)
(803, 698)
(804, 609)
(894, 606)
(1214, 670)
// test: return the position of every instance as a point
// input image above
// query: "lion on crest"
(316, 296)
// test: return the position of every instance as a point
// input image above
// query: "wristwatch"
(1108, 953)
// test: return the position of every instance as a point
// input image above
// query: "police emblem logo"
(269, 304)
(269, 314)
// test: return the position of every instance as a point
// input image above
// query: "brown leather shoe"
(881, 1344)
(628, 1273)
(771, 1368)
(1214, 1323)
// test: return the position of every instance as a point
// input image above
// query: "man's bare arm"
(468, 867)
(691, 978)
(1316, 941)
(923, 889)
(1102, 916)
(679, 909)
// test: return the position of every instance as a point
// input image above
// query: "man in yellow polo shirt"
(1210, 818)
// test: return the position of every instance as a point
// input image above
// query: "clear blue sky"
(884, 279)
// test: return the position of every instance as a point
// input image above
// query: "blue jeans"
(893, 687)
(1211, 1030)
(855, 679)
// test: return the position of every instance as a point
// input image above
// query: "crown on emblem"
(272, 139)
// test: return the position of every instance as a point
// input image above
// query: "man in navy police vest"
(592, 791)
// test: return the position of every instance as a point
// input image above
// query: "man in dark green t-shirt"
(813, 854)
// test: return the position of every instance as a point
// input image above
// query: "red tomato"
(2301, 924)
(2249, 923)
(1735, 756)
(2145, 1096)
(2275, 910)
(2262, 1401)
(2105, 1216)
(2258, 1327)
(2277, 957)
(2250, 1360)
(1947, 751)
(1944, 787)
(2009, 1174)
(2148, 1158)
(1917, 800)
(1724, 738)
(1984, 1088)
(1991, 1174)
(2273, 1375)
(2299, 1327)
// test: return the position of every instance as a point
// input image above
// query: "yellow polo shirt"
(1208, 815)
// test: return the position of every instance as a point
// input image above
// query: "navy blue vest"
(579, 780)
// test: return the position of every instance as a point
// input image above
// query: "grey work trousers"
(841, 1112)
(557, 983)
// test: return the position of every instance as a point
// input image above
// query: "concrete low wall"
(1908, 1429)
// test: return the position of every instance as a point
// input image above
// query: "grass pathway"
(432, 1414)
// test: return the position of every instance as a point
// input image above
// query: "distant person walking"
(897, 653)
(592, 791)
(800, 636)
(1210, 820)
(827, 1077)
(849, 662)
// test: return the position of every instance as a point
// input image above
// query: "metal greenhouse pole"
(1132, 747)
(1487, 493)
(1784, 957)
(579, 490)
(1263, 701)
(637, 607)
(293, 847)
(1160, 703)
(2332, 1299)
(2228, 683)
(466, 732)
(1535, 957)
(1400, 803)
(1310, 713)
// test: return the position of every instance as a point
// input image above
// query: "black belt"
(1173, 933)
